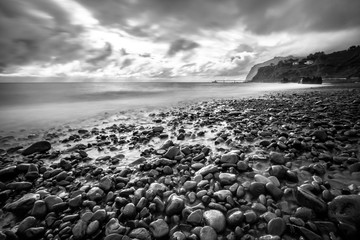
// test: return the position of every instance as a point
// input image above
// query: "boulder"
(345, 208)
(38, 147)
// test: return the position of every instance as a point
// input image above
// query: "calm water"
(43, 105)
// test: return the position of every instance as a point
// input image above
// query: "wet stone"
(215, 219)
(257, 189)
(276, 226)
(208, 233)
(159, 228)
(227, 178)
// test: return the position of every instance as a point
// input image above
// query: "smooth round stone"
(258, 207)
(269, 237)
(274, 191)
(159, 228)
(195, 218)
(274, 180)
(95, 194)
(140, 233)
(215, 219)
(235, 218)
(129, 210)
(39, 209)
(276, 226)
(250, 217)
(211, 168)
(175, 205)
(227, 178)
(261, 179)
(105, 184)
(257, 188)
(242, 166)
(268, 216)
(92, 227)
(229, 158)
(221, 195)
(113, 236)
(114, 227)
(190, 185)
(178, 236)
(79, 229)
(208, 233)
(25, 224)
(52, 200)
(277, 158)
(197, 166)
(99, 215)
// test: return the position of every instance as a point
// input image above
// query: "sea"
(46, 104)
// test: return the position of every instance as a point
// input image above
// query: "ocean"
(39, 105)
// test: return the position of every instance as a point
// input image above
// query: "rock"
(99, 215)
(95, 194)
(345, 208)
(235, 218)
(38, 147)
(276, 226)
(221, 195)
(157, 187)
(229, 158)
(227, 178)
(208, 233)
(269, 237)
(113, 236)
(22, 205)
(261, 179)
(320, 135)
(257, 189)
(39, 209)
(215, 219)
(159, 228)
(307, 199)
(34, 233)
(19, 186)
(250, 216)
(129, 210)
(105, 184)
(79, 229)
(8, 173)
(114, 227)
(51, 201)
(92, 228)
(75, 201)
(195, 218)
(172, 152)
(274, 191)
(140, 233)
(189, 185)
(175, 205)
(277, 158)
(26, 224)
(211, 168)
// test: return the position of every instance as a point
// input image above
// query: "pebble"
(159, 228)
(38, 147)
(140, 233)
(276, 226)
(257, 188)
(227, 178)
(215, 219)
(175, 205)
(208, 233)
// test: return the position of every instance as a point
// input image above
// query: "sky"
(167, 38)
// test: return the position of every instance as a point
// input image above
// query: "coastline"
(242, 166)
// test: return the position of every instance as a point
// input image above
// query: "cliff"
(342, 64)
(254, 70)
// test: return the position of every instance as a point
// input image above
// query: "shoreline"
(235, 168)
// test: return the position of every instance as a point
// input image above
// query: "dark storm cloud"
(260, 17)
(181, 45)
(35, 30)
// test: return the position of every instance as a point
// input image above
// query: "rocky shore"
(283, 166)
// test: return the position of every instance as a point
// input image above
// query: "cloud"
(181, 45)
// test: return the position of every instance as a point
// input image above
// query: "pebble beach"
(284, 165)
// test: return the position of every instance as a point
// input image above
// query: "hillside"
(254, 70)
(342, 64)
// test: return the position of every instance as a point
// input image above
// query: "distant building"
(295, 63)
(309, 62)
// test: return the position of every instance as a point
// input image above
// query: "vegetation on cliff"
(342, 64)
